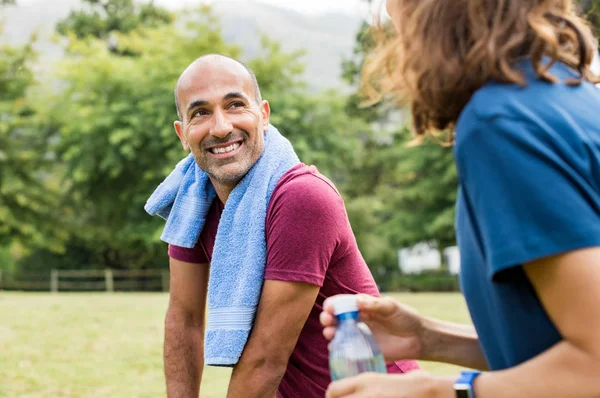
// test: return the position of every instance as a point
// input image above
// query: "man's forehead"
(218, 77)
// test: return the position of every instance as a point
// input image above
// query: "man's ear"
(179, 130)
(265, 110)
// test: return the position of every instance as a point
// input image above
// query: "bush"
(7, 263)
(428, 281)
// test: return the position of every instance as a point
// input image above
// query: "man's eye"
(200, 112)
(237, 104)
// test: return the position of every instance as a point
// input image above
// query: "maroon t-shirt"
(309, 239)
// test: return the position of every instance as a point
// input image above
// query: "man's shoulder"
(304, 181)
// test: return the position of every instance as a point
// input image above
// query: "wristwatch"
(463, 386)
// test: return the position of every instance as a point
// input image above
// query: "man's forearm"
(452, 343)
(183, 360)
(563, 371)
(255, 379)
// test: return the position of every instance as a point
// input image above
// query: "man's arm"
(282, 312)
(184, 328)
(452, 343)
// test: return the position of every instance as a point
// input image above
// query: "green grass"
(110, 345)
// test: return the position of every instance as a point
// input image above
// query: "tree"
(100, 24)
(102, 18)
(398, 195)
(420, 185)
(28, 204)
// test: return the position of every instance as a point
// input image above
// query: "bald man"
(311, 250)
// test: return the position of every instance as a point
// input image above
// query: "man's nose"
(221, 125)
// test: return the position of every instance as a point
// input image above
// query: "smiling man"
(311, 252)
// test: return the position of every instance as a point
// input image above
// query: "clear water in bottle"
(353, 349)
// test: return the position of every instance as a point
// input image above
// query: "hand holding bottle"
(397, 328)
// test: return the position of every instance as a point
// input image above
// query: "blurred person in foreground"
(511, 79)
(241, 210)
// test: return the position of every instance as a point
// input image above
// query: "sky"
(303, 6)
(310, 7)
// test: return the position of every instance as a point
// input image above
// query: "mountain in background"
(327, 38)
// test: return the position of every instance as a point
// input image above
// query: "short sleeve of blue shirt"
(532, 190)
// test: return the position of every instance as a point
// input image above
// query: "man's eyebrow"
(196, 104)
(235, 95)
(228, 96)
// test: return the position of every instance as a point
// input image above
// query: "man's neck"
(223, 190)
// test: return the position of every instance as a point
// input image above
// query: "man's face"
(222, 123)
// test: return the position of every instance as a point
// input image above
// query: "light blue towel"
(240, 251)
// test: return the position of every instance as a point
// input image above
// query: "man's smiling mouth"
(226, 149)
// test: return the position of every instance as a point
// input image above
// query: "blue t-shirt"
(528, 161)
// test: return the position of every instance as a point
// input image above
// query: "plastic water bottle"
(353, 349)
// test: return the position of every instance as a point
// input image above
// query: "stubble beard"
(220, 173)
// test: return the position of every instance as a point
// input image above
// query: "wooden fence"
(107, 280)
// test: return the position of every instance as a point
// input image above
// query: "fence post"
(108, 277)
(54, 281)
(165, 281)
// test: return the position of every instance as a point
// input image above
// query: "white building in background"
(452, 257)
(421, 257)
(426, 256)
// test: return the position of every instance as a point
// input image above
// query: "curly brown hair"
(444, 50)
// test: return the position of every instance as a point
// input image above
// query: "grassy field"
(110, 345)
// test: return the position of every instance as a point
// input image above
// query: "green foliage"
(591, 10)
(27, 200)
(101, 17)
(115, 136)
(322, 133)
(428, 281)
(351, 73)
(7, 263)
(399, 195)
(112, 143)
(420, 185)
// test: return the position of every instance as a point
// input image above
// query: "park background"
(86, 112)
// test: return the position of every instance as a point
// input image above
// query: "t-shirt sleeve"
(194, 255)
(304, 222)
(529, 190)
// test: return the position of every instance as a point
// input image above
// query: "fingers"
(329, 332)
(342, 388)
(328, 305)
(327, 319)
(329, 322)
(351, 387)
(382, 306)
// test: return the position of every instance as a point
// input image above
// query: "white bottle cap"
(344, 303)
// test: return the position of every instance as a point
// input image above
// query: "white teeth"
(226, 149)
